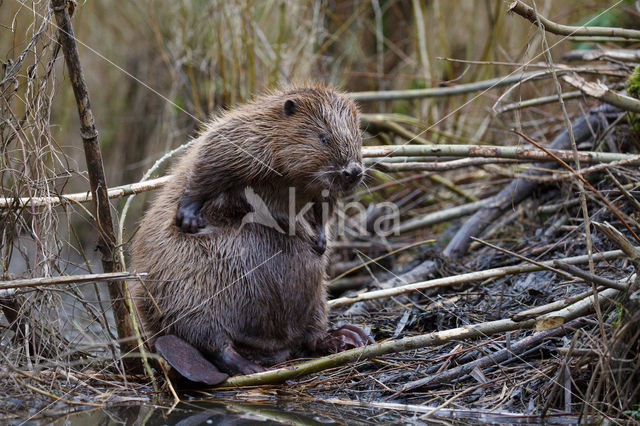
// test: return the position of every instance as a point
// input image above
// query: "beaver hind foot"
(188, 361)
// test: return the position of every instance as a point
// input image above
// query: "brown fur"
(249, 287)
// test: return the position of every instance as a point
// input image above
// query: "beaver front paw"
(189, 217)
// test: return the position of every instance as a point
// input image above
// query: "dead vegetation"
(506, 282)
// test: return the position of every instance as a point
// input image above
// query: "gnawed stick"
(378, 349)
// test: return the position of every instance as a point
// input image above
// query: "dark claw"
(319, 241)
(237, 364)
(189, 216)
(188, 361)
(347, 337)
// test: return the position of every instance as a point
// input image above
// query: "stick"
(376, 350)
(81, 197)
(438, 92)
(67, 279)
(600, 91)
(519, 189)
(492, 151)
(375, 154)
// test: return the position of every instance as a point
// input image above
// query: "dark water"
(289, 413)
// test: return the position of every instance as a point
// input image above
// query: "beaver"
(234, 245)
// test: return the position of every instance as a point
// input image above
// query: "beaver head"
(316, 140)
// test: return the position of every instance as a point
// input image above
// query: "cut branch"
(378, 349)
(485, 329)
(584, 128)
(491, 151)
(67, 279)
(81, 197)
(460, 89)
(491, 359)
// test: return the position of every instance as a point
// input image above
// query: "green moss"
(634, 413)
(633, 83)
(633, 89)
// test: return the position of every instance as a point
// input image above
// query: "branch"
(537, 101)
(386, 164)
(374, 155)
(489, 360)
(584, 128)
(68, 279)
(441, 216)
(492, 151)
(630, 55)
(378, 349)
(81, 197)
(600, 91)
(528, 13)
(460, 89)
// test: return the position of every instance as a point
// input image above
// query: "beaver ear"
(289, 107)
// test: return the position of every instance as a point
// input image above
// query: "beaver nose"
(352, 173)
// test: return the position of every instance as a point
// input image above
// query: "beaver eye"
(324, 139)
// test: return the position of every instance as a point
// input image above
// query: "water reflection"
(192, 414)
(294, 413)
